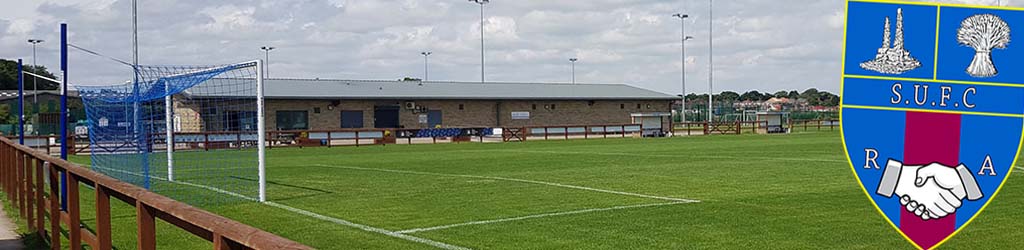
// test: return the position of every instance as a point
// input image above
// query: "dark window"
(552, 107)
(352, 119)
(622, 106)
(637, 106)
(462, 106)
(591, 103)
(292, 120)
(535, 107)
(316, 110)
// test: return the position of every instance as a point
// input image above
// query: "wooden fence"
(22, 174)
(704, 128)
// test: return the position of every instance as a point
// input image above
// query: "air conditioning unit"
(410, 105)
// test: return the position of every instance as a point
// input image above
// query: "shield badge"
(932, 110)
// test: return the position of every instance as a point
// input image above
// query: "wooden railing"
(22, 174)
(817, 125)
(703, 128)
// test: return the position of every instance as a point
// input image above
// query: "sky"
(758, 45)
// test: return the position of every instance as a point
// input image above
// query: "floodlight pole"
(711, 60)
(572, 62)
(35, 87)
(266, 70)
(481, 3)
(426, 62)
(21, 103)
(682, 44)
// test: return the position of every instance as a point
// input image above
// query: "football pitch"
(703, 192)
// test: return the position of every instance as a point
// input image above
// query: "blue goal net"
(191, 133)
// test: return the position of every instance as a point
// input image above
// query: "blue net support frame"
(192, 133)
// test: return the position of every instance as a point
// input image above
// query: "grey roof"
(435, 90)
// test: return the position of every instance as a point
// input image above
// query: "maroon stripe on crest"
(930, 138)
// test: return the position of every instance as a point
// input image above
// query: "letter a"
(987, 165)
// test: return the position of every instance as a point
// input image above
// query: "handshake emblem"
(932, 191)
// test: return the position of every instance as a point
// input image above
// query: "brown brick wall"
(474, 113)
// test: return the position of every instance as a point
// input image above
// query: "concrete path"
(9, 238)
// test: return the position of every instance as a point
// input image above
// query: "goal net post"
(192, 133)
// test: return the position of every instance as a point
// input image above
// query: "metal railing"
(566, 132)
(22, 174)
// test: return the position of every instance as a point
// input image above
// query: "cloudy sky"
(762, 45)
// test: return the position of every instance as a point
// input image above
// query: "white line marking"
(399, 235)
(342, 222)
(514, 180)
(482, 222)
(678, 156)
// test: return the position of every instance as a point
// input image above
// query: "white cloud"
(764, 45)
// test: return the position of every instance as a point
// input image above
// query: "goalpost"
(193, 133)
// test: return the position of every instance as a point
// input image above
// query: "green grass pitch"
(782, 192)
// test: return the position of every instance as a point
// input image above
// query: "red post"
(54, 208)
(74, 214)
(146, 226)
(103, 233)
(566, 132)
(40, 208)
(357, 138)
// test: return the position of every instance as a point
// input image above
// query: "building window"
(534, 106)
(552, 107)
(316, 110)
(638, 106)
(292, 120)
(462, 107)
(352, 119)
(591, 103)
(622, 106)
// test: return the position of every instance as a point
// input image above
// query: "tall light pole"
(266, 69)
(481, 3)
(572, 61)
(682, 45)
(711, 59)
(35, 87)
(426, 69)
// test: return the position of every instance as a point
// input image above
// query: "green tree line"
(812, 96)
(9, 76)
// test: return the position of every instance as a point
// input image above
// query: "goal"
(192, 133)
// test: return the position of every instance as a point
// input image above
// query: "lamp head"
(680, 15)
(573, 59)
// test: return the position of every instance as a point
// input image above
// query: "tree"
(728, 96)
(781, 94)
(9, 76)
(752, 95)
(793, 95)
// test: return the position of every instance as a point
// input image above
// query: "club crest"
(932, 119)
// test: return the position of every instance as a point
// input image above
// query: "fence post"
(19, 196)
(146, 226)
(328, 139)
(103, 218)
(54, 207)
(206, 142)
(739, 127)
(545, 133)
(357, 138)
(74, 214)
(29, 193)
(40, 208)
